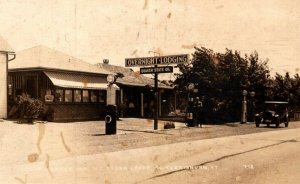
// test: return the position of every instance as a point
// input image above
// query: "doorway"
(31, 86)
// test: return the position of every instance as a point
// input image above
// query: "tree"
(295, 92)
(232, 70)
(202, 72)
(282, 87)
(221, 78)
(259, 80)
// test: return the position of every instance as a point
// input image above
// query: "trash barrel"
(111, 120)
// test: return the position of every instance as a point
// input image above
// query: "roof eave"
(52, 69)
(143, 85)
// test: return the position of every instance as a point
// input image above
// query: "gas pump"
(111, 108)
(111, 120)
(190, 106)
(190, 112)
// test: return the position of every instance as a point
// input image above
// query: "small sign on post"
(151, 70)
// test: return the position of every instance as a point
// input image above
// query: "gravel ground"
(23, 143)
(135, 133)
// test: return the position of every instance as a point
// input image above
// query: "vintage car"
(275, 112)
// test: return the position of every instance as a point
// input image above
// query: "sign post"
(156, 100)
(155, 61)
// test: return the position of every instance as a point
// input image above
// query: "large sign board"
(159, 60)
(150, 70)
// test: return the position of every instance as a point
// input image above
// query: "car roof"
(276, 102)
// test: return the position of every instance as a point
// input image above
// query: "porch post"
(159, 102)
(121, 96)
(142, 105)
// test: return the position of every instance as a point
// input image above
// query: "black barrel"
(111, 120)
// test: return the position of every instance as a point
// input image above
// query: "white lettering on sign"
(162, 60)
(173, 60)
(146, 70)
(141, 61)
(166, 69)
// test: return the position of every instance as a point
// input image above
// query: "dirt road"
(81, 153)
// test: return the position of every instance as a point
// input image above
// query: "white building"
(6, 54)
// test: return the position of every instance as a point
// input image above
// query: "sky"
(93, 30)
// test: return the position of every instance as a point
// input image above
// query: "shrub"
(30, 108)
(169, 125)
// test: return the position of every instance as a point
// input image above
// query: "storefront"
(136, 95)
(75, 90)
(71, 89)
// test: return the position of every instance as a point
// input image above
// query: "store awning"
(79, 81)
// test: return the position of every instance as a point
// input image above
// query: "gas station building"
(75, 90)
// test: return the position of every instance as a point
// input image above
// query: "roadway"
(264, 157)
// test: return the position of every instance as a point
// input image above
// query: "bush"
(30, 108)
(169, 125)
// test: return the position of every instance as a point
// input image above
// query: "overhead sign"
(159, 60)
(150, 70)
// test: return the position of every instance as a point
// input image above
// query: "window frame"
(72, 96)
(88, 96)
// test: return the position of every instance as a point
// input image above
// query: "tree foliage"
(221, 78)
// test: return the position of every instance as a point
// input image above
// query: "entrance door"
(31, 86)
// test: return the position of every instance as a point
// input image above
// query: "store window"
(68, 95)
(59, 93)
(94, 96)
(77, 95)
(85, 96)
(49, 97)
(102, 96)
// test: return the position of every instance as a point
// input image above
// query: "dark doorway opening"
(31, 86)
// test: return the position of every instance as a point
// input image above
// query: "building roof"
(131, 78)
(45, 58)
(4, 46)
